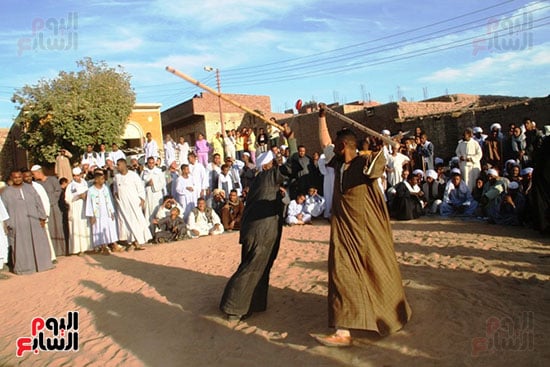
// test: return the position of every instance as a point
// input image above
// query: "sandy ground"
(480, 296)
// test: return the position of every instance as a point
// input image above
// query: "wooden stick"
(359, 126)
(227, 99)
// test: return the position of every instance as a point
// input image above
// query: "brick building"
(200, 114)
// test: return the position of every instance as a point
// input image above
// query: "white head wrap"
(492, 172)
(431, 173)
(265, 158)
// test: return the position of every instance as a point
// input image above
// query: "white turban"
(477, 129)
(417, 172)
(265, 158)
(492, 172)
(77, 171)
(386, 132)
(431, 173)
(36, 167)
(496, 126)
(526, 171)
(455, 171)
(438, 160)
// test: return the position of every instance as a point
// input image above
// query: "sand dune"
(466, 282)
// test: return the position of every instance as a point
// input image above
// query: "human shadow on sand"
(189, 330)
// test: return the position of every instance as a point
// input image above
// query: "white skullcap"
(265, 158)
(386, 132)
(245, 153)
(513, 185)
(526, 171)
(431, 173)
(36, 167)
(496, 125)
(418, 172)
(77, 171)
(492, 172)
(511, 161)
(438, 160)
(283, 147)
(477, 129)
(454, 159)
(455, 171)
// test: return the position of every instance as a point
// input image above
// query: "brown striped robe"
(365, 288)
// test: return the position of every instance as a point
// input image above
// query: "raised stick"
(359, 126)
(227, 99)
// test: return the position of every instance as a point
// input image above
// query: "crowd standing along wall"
(444, 129)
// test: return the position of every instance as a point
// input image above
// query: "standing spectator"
(55, 219)
(302, 165)
(155, 185)
(80, 239)
(26, 227)
(492, 149)
(102, 156)
(90, 156)
(183, 151)
(130, 196)
(101, 213)
(239, 143)
(169, 150)
(199, 175)
(202, 148)
(63, 164)
(217, 145)
(229, 143)
(116, 154)
(184, 191)
(252, 145)
(262, 141)
(150, 148)
(328, 184)
(3, 237)
(426, 153)
(469, 155)
(533, 141)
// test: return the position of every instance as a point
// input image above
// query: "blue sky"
(330, 51)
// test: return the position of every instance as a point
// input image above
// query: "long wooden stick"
(227, 99)
(359, 126)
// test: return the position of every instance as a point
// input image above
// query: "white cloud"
(495, 63)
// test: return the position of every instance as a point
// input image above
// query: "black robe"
(260, 237)
(405, 206)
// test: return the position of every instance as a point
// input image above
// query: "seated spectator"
(163, 210)
(296, 212)
(526, 180)
(171, 227)
(433, 192)
(457, 198)
(315, 203)
(509, 207)
(232, 212)
(218, 201)
(477, 192)
(203, 221)
(494, 186)
(407, 203)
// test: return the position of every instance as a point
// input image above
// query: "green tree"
(75, 109)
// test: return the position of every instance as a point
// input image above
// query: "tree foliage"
(75, 109)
